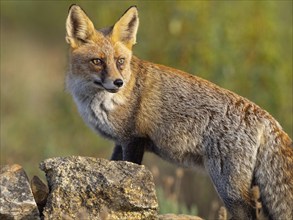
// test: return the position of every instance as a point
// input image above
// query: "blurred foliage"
(244, 46)
(173, 206)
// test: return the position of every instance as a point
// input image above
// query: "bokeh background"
(244, 46)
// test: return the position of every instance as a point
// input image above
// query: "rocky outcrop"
(81, 188)
(91, 188)
(16, 201)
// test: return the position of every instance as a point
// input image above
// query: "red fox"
(182, 118)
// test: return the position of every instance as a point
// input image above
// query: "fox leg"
(232, 176)
(133, 151)
(235, 193)
(117, 153)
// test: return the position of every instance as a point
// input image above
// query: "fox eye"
(120, 61)
(97, 61)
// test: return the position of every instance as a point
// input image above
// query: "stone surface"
(40, 191)
(178, 217)
(16, 201)
(91, 188)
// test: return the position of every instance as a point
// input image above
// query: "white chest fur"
(95, 112)
(101, 106)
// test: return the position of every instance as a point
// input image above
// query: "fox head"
(100, 59)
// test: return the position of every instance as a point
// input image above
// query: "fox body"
(182, 118)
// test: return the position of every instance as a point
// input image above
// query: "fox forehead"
(101, 46)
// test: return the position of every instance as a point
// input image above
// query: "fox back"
(182, 118)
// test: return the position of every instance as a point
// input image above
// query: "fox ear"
(125, 28)
(79, 28)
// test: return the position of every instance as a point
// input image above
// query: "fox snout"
(110, 85)
(105, 72)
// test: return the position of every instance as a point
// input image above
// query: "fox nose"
(118, 83)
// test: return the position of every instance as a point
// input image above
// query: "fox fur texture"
(184, 119)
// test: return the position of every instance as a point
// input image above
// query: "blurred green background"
(244, 46)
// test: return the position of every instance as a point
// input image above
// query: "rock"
(178, 217)
(16, 201)
(40, 191)
(91, 188)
